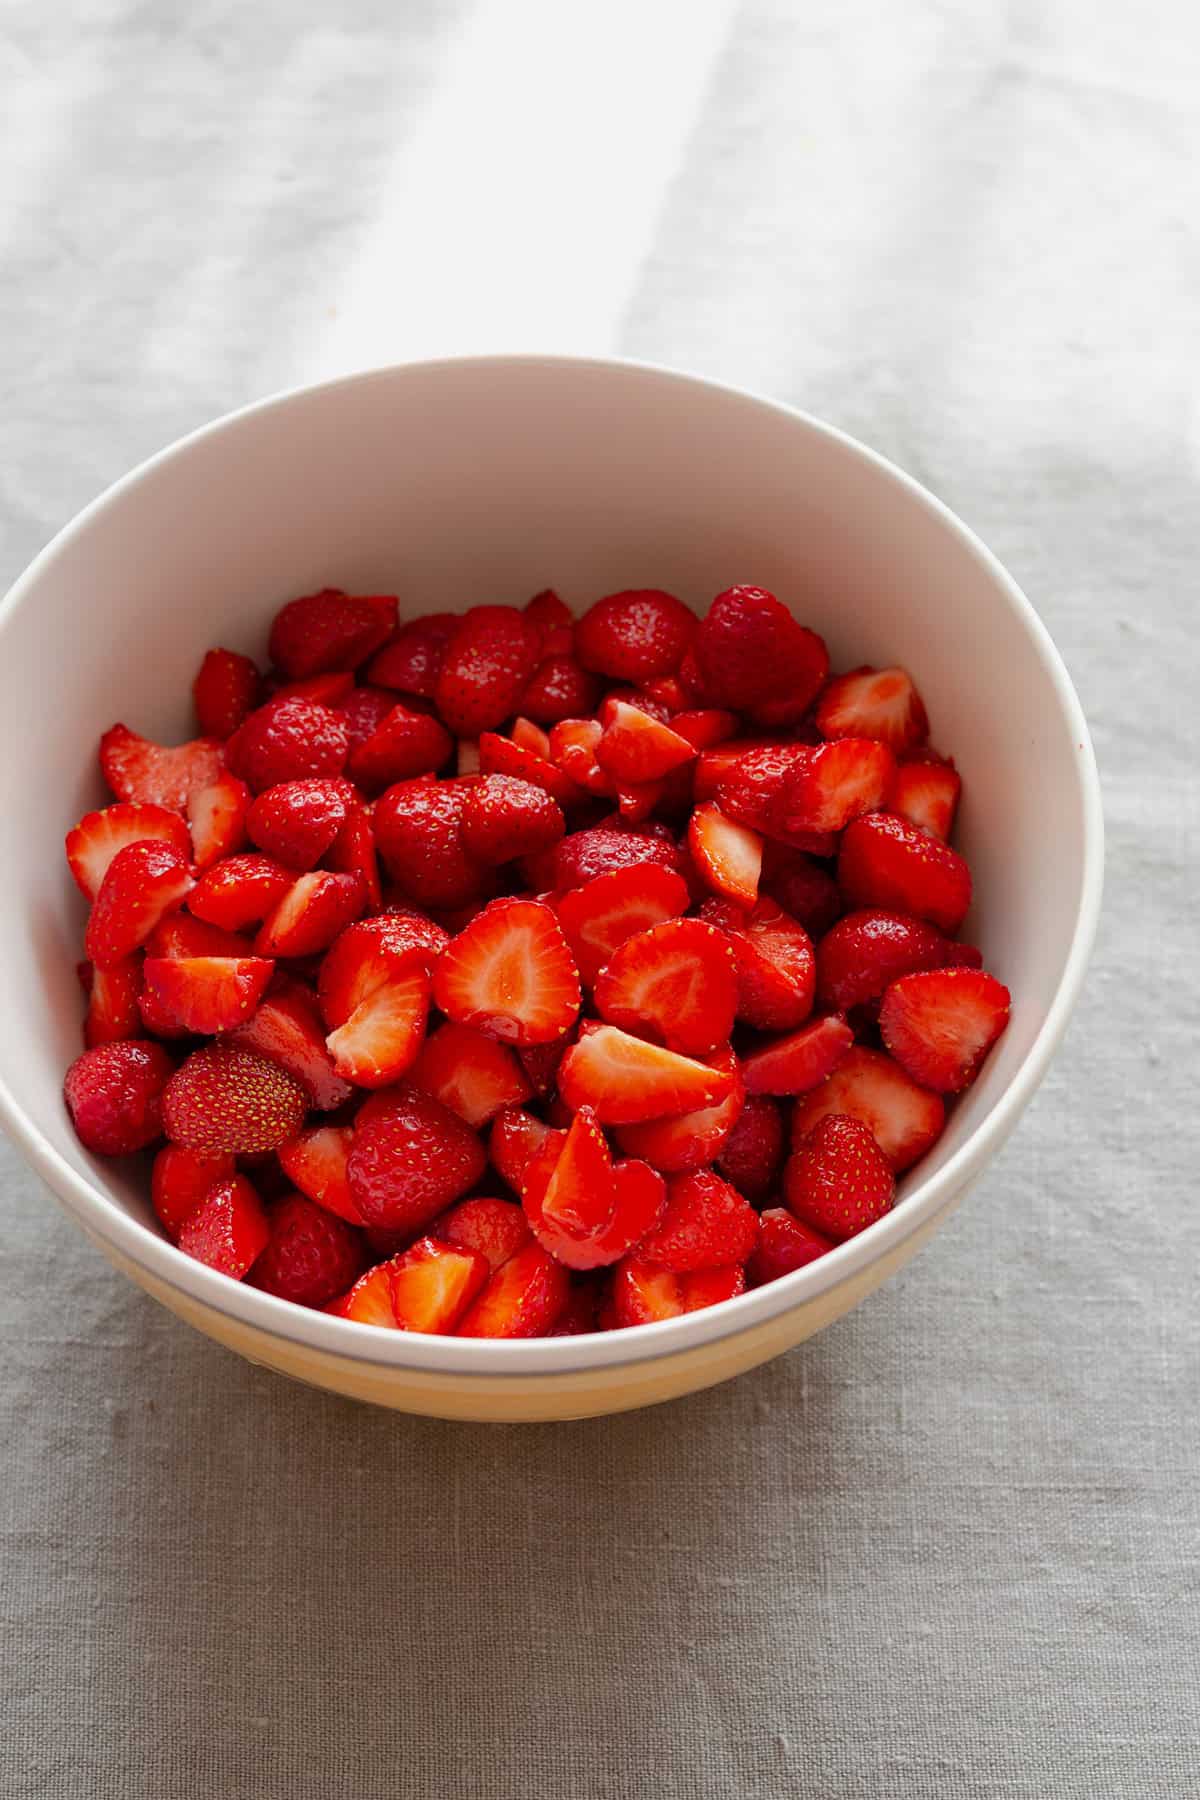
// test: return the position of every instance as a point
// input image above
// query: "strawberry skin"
(228, 1230)
(411, 1158)
(418, 832)
(315, 909)
(784, 1244)
(707, 1225)
(471, 1073)
(296, 822)
(752, 1155)
(830, 784)
(412, 661)
(143, 882)
(627, 1080)
(522, 1299)
(510, 974)
(329, 631)
(559, 688)
(635, 635)
(288, 739)
(516, 1136)
(94, 842)
(287, 1030)
(504, 756)
(776, 969)
(239, 891)
(316, 1162)
(905, 1119)
(494, 1229)
(750, 651)
(887, 863)
(147, 774)
(504, 818)
(310, 1255)
(941, 1023)
(114, 1095)
(226, 688)
(180, 1180)
(226, 1099)
(404, 743)
(206, 994)
(645, 1292)
(488, 660)
(866, 951)
(839, 1181)
(677, 982)
(583, 855)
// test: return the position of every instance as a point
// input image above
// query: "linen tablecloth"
(948, 1548)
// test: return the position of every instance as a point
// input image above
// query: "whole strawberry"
(114, 1094)
(226, 1099)
(839, 1181)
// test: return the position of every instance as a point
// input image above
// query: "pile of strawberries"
(510, 974)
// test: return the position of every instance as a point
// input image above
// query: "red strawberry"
(353, 852)
(528, 736)
(645, 1292)
(801, 887)
(802, 1060)
(331, 690)
(206, 993)
(704, 728)
(226, 1099)
(866, 951)
(573, 746)
(288, 739)
(636, 748)
(753, 789)
(873, 703)
(298, 821)
(830, 784)
(905, 1119)
(707, 1225)
(412, 661)
(411, 1158)
(217, 817)
(669, 692)
(494, 1229)
(417, 832)
(381, 1037)
(886, 862)
(580, 1314)
(839, 1181)
(559, 688)
(433, 1285)
(693, 1139)
(177, 934)
(719, 763)
(372, 952)
(728, 857)
(226, 688)
(364, 709)
(316, 1162)
(228, 1230)
(311, 914)
(510, 974)
(941, 1023)
(750, 651)
(516, 1136)
(582, 855)
(784, 1244)
(404, 744)
(240, 891)
(310, 1255)
(626, 1079)
(92, 844)
(143, 882)
(776, 969)
(600, 916)
(635, 635)
(925, 791)
(550, 617)
(505, 818)
(369, 1301)
(329, 630)
(752, 1155)
(180, 1180)
(114, 1096)
(489, 658)
(521, 1300)
(568, 1195)
(149, 774)
(676, 982)
(112, 1012)
(470, 1073)
(502, 756)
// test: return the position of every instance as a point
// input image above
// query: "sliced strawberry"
(874, 703)
(707, 1225)
(178, 934)
(494, 1229)
(382, 1037)
(521, 1300)
(353, 852)
(369, 1301)
(645, 1292)
(92, 844)
(329, 630)
(600, 916)
(886, 862)
(750, 651)
(728, 857)
(206, 994)
(752, 789)
(372, 953)
(311, 914)
(635, 635)
(288, 739)
(676, 982)
(830, 784)
(926, 793)
(112, 1012)
(802, 887)
(225, 1099)
(417, 831)
(217, 817)
(559, 688)
(411, 1158)
(143, 882)
(180, 1180)
(298, 821)
(472, 1074)
(752, 1155)
(719, 763)
(114, 1096)
(577, 1196)
(635, 748)
(839, 1181)
(691, 1140)
(363, 710)
(148, 774)
(671, 694)
(315, 1161)
(505, 818)
(776, 969)
(489, 658)
(228, 1230)
(583, 855)
(636, 803)
(240, 891)
(802, 1060)
(784, 1244)
(905, 1119)
(502, 756)
(310, 1254)
(940, 1024)
(510, 974)
(528, 736)
(226, 688)
(331, 690)
(412, 661)
(626, 1079)
(580, 1314)
(573, 747)
(866, 951)
(404, 744)
(433, 1285)
(516, 1135)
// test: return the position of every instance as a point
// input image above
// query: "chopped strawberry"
(626, 1079)
(228, 1230)
(776, 969)
(353, 852)
(217, 816)
(298, 821)
(670, 693)
(940, 1024)
(707, 1225)
(412, 661)
(404, 744)
(753, 786)
(143, 882)
(635, 635)
(522, 1299)
(364, 709)
(411, 1158)
(310, 915)
(866, 951)
(718, 764)
(600, 916)
(874, 703)
(310, 1254)
(369, 1301)
(226, 1099)
(433, 1284)
(839, 1181)
(752, 1155)
(636, 748)
(240, 891)
(370, 954)
(645, 1292)
(331, 690)
(112, 1012)
(926, 793)
(802, 1060)
(288, 739)
(550, 617)
(582, 855)
(573, 746)
(382, 1036)
(528, 736)
(316, 1162)
(114, 1095)
(494, 1229)
(329, 630)
(516, 1135)
(147, 774)
(226, 688)
(636, 803)
(510, 974)
(489, 658)
(472, 1074)
(581, 1313)
(784, 1244)
(691, 1140)
(677, 981)
(504, 818)
(180, 1180)
(905, 1119)
(750, 652)
(728, 857)
(569, 1196)
(92, 844)
(559, 688)
(502, 756)
(887, 863)
(177, 934)
(801, 887)
(417, 830)
(830, 784)
(704, 728)
(206, 994)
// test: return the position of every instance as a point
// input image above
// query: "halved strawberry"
(472, 1074)
(704, 727)
(776, 969)
(315, 1161)
(926, 792)
(598, 917)
(502, 756)
(866, 951)
(559, 688)
(287, 1030)
(226, 1099)
(217, 816)
(728, 856)
(802, 887)
(310, 1254)
(707, 1225)
(288, 739)
(717, 764)
(331, 690)
(838, 1181)
(751, 652)
(369, 1301)
(239, 891)
(636, 748)
(417, 834)
(494, 1229)
(363, 710)
(226, 688)
(573, 745)
(178, 934)
(353, 852)
(577, 1195)
(752, 787)
(298, 821)
(582, 855)
(180, 1180)
(645, 1292)
(528, 736)
(635, 635)
(516, 1135)
(151, 774)
(404, 744)
(92, 844)
(433, 1284)
(311, 914)
(626, 1079)
(522, 1299)
(114, 1096)
(886, 862)
(382, 1037)
(371, 953)
(670, 693)
(802, 1060)
(784, 1244)
(550, 617)
(636, 802)
(510, 974)
(112, 1012)
(488, 660)
(413, 659)
(905, 1119)
(941, 1023)
(411, 1158)
(143, 882)
(874, 703)
(676, 982)
(505, 818)
(830, 784)
(206, 994)
(329, 630)
(228, 1230)
(690, 1141)
(752, 1155)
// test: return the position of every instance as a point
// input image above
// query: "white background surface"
(950, 1547)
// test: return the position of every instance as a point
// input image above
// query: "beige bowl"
(458, 482)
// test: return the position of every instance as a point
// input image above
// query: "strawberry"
(550, 617)
(801, 887)
(92, 844)
(516, 1135)
(417, 833)
(866, 951)
(582, 855)
(940, 1024)
(226, 1099)
(288, 739)
(332, 690)
(502, 756)
(226, 688)
(799, 1061)
(112, 1012)
(315, 1161)
(510, 974)
(217, 818)
(559, 688)
(873, 703)
(573, 745)
(600, 916)
(830, 784)
(372, 952)
(676, 982)
(504, 818)
(704, 728)
(363, 710)
(206, 993)
(905, 1119)
(310, 1254)
(411, 1158)
(522, 1299)
(691, 1140)
(353, 852)
(180, 1180)
(311, 914)
(228, 1230)
(776, 969)
(925, 791)
(412, 661)
(494, 1229)
(489, 658)
(580, 1314)
(177, 934)
(753, 787)
(707, 1225)
(750, 651)
(142, 883)
(635, 635)
(838, 1181)
(784, 1244)
(404, 744)
(470, 1073)
(433, 1284)
(728, 856)
(369, 1301)
(626, 1079)
(568, 1194)
(752, 1155)
(381, 1037)
(646, 1292)
(329, 630)
(240, 891)
(719, 763)
(296, 822)
(528, 736)
(887, 863)
(635, 748)
(114, 1095)
(147, 774)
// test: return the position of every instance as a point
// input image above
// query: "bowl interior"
(457, 483)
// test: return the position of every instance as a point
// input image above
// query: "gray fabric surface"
(949, 1548)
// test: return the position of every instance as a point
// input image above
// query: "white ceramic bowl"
(459, 482)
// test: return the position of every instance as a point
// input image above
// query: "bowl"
(457, 482)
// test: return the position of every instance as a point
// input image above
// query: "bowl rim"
(427, 1354)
